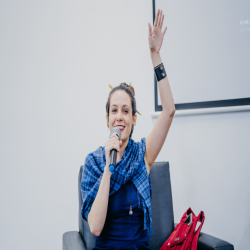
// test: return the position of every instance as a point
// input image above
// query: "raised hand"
(155, 37)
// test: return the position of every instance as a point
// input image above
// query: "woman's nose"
(119, 115)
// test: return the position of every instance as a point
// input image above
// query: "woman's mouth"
(121, 128)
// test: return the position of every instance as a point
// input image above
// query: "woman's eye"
(114, 110)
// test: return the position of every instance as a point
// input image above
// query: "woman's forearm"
(167, 99)
(98, 212)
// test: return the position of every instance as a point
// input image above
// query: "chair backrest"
(84, 230)
(161, 204)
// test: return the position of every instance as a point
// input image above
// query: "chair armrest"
(72, 241)
(208, 242)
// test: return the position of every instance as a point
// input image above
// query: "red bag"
(184, 236)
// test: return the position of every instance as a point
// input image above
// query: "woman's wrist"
(156, 58)
(107, 171)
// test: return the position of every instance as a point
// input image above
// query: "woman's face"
(120, 114)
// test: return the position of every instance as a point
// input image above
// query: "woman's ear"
(134, 119)
(107, 118)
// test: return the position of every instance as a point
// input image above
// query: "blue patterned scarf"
(131, 167)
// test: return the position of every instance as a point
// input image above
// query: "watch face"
(111, 168)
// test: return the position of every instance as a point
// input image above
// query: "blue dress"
(122, 230)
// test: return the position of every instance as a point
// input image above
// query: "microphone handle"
(113, 157)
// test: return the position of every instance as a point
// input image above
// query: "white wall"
(209, 164)
(57, 59)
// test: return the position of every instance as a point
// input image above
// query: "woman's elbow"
(94, 225)
(169, 112)
(172, 112)
(96, 233)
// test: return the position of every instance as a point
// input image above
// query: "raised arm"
(157, 136)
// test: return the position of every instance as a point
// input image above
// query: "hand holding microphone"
(112, 146)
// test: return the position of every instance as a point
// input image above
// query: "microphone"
(113, 153)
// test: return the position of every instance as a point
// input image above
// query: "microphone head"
(117, 131)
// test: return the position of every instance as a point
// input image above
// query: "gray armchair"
(162, 216)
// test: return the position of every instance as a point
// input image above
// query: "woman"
(117, 204)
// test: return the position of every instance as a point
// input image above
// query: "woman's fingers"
(157, 18)
(149, 29)
(114, 135)
(162, 18)
(159, 21)
(164, 30)
(114, 143)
